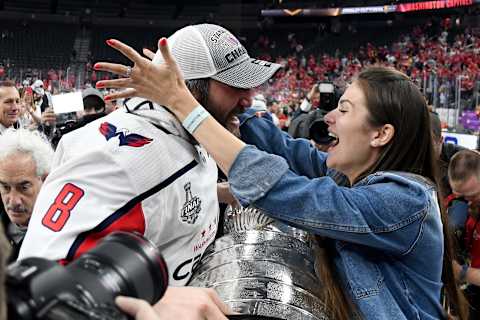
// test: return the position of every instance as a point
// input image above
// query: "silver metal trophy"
(262, 267)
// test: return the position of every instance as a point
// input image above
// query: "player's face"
(19, 186)
(9, 106)
(225, 102)
(469, 189)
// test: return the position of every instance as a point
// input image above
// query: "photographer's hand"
(48, 117)
(137, 308)
(191, 303)
(178, 303)
(313, 90)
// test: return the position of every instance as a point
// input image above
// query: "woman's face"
(357, 146)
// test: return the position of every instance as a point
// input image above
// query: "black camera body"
(122, 264)
(328, 99)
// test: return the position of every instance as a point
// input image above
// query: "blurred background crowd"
(439, 50)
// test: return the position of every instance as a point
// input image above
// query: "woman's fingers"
(126, 50)
(148, 53)
(167, 56)
(116, 83)
(116, 68)
(128, 93)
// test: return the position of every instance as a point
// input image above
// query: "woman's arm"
(386, 214)
(302, 157)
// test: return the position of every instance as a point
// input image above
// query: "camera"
(327, 96)
(122, 264)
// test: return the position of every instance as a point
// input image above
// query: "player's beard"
(200, 90)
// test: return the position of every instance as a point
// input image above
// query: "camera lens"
(137, 268)
(122, 264)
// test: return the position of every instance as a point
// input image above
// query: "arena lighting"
(292, 12)
(403, 7)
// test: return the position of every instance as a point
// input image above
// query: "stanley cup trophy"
(262, 267)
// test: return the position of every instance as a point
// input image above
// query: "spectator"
(28, 118)
(464, 177)
(38, 92)
(40, 108)
(25, 160)
(93, 109)
(456, 206)
(9, 105)
(40, 99)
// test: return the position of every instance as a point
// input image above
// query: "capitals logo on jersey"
(109, 131)
(192, 206)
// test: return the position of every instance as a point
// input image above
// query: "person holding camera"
(312, 96)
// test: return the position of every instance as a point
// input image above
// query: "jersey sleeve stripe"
(127, 218)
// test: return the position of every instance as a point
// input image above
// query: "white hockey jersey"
(132, 171)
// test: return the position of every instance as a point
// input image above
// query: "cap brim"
(248, 74)
(39, 91)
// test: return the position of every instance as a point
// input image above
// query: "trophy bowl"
(262, 267)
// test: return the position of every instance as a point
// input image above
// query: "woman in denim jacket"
(388, 250)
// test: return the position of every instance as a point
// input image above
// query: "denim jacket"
(386, 228)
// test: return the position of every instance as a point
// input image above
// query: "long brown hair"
(391, 98)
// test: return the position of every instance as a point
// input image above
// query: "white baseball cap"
(211, 51)
(37, 87)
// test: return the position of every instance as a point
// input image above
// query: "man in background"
(25, 160)
(9, 105)
(464, 177)
(93, 109)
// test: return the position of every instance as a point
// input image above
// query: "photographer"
(93, 106)
(306, 106)
(134, 276)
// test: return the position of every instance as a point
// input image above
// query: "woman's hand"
(160, 83)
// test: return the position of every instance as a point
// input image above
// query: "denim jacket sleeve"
(301, 156)
(386, 213)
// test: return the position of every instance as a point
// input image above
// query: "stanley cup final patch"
(192, 206)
